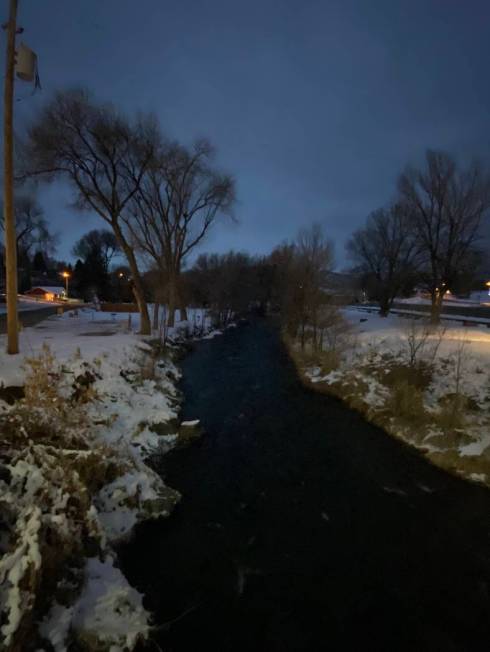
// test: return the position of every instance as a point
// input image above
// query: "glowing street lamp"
(66, 276)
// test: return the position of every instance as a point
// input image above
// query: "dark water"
(302, 527)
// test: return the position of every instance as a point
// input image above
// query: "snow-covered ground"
(86, 332)
(372, 328)
(74, 473)
(455, 401)
(474, 299)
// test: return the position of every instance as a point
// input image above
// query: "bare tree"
(311, 258)
(447, 206)
(104, 158)
(228, 284)
(31, 226)
(98, 243)
(315, 258)
(176, 204)
(386, 251)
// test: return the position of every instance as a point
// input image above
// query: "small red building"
(46, 292)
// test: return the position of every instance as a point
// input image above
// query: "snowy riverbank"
(73, 477)
(429, 387)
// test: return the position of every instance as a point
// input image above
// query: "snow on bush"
(108, 612)
(72, 480)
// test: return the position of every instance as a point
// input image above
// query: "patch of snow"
(56, 626)
(478, 477)
(476, 447)
(109, 609)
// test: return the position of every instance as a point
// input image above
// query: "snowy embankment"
(73, 477)
(475, 299)
(429, 387)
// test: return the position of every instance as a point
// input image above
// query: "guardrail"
(419, 311)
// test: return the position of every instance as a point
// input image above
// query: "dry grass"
(464, 465)
(406, 404)
(418, 376)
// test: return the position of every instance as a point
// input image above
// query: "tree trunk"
(383, 312)
(137, 285)
(436, 307)
(156, 307)
(384, 307)
(139, 295)
(314, 324)
(172, 299)
(181, 299)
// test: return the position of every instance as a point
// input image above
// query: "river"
(302, 526)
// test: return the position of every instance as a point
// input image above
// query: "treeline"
(158, 199)
(428, 236)
(293, 281)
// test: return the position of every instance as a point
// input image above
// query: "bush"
(406, 402)
(454, 410)
(52, 468)
(419, 375)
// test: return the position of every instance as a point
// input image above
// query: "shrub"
(406, 402)
(454, 411)
(418, 375)
(422, 340)
(329, 360)
(52, 469)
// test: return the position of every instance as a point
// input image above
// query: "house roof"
(46, 288)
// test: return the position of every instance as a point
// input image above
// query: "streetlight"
(66, 276)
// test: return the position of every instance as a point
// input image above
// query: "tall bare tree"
(447, 205)
(177, 203)
(386, 251)
(104, 158)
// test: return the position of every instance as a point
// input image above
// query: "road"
(303, 527)
(466, 311)
(28, 317)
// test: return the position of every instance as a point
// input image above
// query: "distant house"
(46, 292)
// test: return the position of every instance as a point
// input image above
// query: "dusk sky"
(313, 106)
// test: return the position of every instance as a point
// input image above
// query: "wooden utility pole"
(8, 192)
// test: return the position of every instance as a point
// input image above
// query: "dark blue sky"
(314, 106)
